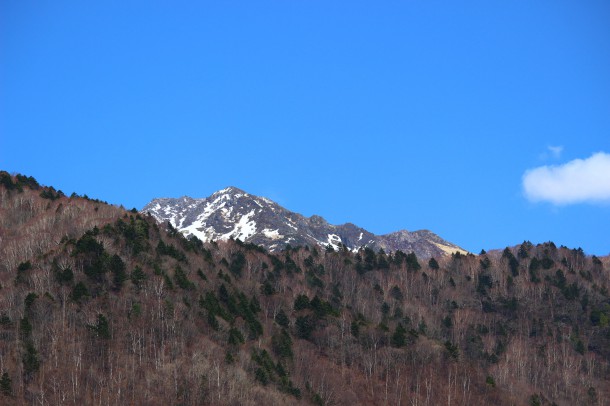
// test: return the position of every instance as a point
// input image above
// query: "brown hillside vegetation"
(99, 305)
(34, 219)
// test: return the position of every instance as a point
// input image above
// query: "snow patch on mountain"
(244, 228)
(272, 234)
(334, 241)
(233, 213)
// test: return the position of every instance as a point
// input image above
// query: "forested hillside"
(100, 305)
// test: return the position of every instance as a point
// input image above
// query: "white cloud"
(551, 152)
(577, 181)
(556, 150)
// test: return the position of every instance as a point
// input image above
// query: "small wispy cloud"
(578, 181)
(555, 151)
(551, 152)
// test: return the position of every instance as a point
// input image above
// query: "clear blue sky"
(400, 115)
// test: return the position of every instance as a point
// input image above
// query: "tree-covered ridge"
(129, 311)
(35, 218)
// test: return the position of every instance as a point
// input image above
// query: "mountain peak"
(233, 213)
(230, 190)
(317, 219)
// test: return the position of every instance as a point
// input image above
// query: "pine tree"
(399, 338)
(6, 384)
(102, 328)
(137, 276)
(281, 318)
(31, 363)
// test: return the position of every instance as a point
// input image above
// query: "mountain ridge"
(233, 213)
(179, 321)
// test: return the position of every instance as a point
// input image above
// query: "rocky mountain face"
(233, 213)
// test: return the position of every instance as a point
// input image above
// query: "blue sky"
(465, 118)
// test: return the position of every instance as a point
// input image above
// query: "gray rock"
(233, 213)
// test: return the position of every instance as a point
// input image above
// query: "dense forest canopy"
(103, 305)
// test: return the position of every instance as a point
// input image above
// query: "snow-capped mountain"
(233, 213)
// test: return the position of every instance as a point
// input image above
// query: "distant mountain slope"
(233, 213)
